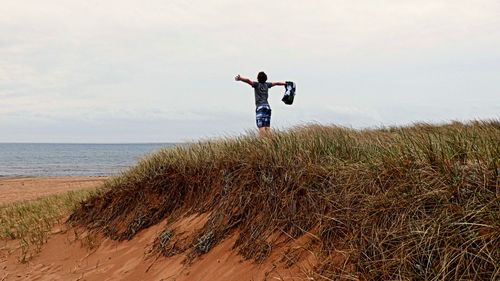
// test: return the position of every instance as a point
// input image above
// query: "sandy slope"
(69, 256)
(28, 188)
(64, 258)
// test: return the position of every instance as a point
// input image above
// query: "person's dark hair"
(262, 77)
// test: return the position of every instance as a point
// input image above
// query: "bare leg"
(264, 131)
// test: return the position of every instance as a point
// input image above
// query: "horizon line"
(93, 142)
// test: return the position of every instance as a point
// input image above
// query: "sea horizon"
(27, 159)
(175, 143)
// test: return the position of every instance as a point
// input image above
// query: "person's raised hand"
(237, 78)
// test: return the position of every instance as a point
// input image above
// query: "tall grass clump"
(413, 203)
(31, 222)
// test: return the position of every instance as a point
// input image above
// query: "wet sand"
(14, 189)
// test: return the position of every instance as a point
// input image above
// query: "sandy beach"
(14, 189)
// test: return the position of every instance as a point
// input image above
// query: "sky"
(163, 71)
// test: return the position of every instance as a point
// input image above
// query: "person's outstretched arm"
(243, 79)
(278, 83)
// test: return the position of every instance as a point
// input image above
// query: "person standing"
(262, 108)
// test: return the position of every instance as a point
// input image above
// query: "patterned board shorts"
(263, 116)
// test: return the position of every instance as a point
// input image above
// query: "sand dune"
(69, 256)
(72, 254)
(414, 203)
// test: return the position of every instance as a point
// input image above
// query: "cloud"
(148, 63)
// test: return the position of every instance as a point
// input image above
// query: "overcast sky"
(162, 71)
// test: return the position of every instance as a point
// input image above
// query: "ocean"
(37, 159)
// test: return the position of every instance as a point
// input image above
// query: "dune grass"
(31, 222)
(398, 203)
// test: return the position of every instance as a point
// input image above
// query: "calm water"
(25, 159)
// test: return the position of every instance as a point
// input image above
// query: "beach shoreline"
(23, 188)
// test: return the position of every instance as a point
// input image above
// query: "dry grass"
(410, 203)
(31, 222)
